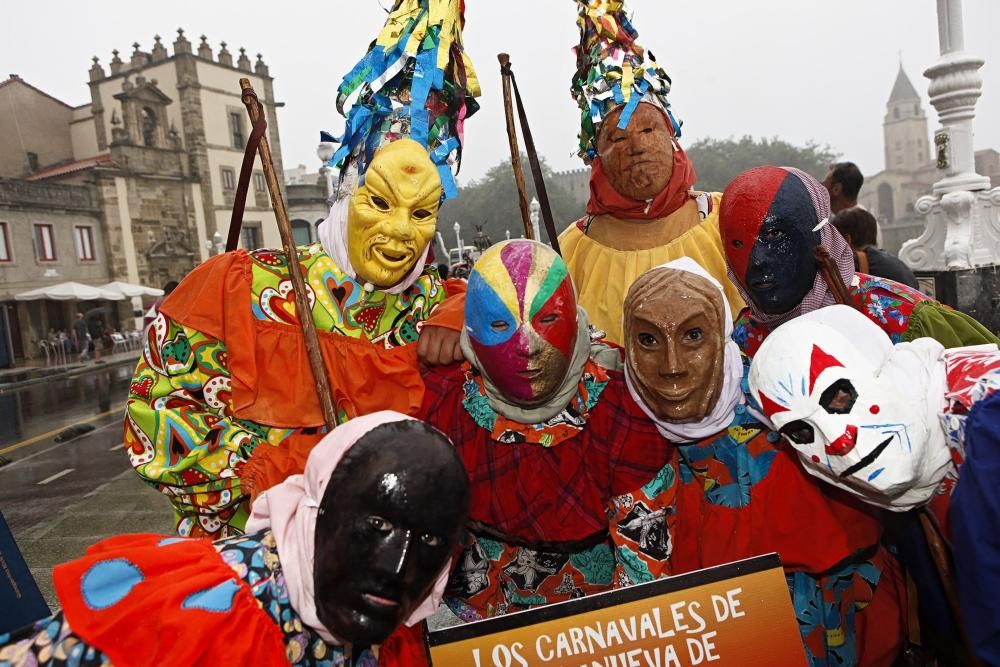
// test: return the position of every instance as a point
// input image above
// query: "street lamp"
(458, 239)
(536, 210)
(444, 247)
(215, 244)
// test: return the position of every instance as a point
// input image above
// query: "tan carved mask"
(674, 343)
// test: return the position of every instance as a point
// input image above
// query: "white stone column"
(954, 90)
(963, 228)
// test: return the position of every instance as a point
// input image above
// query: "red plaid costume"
(540, 515)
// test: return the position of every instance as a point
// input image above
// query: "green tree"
(718, 161)
(492, 202)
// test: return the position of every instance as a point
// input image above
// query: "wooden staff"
(942, 561)
(302, 308)
(533, 161)
(515, 152)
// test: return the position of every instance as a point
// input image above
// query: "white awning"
(70, 291)
(130, 290)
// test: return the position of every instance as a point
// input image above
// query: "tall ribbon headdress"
(613, 70)
(415, 81)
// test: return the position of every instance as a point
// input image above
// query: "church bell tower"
(907, 147)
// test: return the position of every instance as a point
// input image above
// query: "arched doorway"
(302, 232)
(886, 206)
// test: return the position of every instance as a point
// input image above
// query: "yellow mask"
(393, 216)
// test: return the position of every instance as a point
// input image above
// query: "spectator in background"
(843, 182)
(443, 270)
(860, 229)
(80, 337)
(96, 329)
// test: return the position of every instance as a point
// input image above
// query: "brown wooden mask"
(675, 343)
(638, 160)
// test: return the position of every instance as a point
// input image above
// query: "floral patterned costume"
(225, 371)
(580, 504)
(903, 313)
(972, 425)
(149, 600)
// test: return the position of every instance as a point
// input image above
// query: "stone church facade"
(149, 167)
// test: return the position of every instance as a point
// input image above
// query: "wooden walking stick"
(515, 152)
(302, 308)
(940, 554)
(533, 161)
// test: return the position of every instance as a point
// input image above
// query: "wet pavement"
(28, 413)
(61, 497)
(11, 378)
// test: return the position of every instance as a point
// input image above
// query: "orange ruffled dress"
(224, 384)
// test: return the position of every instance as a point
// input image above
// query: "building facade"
(49, 233)
(153, 162)
(910, 168)
(307, 207)
(576, 182)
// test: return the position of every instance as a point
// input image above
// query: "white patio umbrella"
(131, 290)
(70, 291)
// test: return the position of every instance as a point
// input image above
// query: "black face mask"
(782, 267)
(392, 514)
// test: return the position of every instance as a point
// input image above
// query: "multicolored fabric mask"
(861, 413)
(771, 219)
(522, 323)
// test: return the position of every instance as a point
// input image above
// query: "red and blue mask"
(767, 221)
(521, 319)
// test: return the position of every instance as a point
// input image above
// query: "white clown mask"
(860, 412)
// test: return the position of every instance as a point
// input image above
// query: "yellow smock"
(603, 274)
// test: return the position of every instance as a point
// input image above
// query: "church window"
(4, 243)
(916, 108)
(149, 124)
(250, 236)
(236, 129)
(259, 184)
(895, 112)
(84, 237)
(45, 247)
(228, 179)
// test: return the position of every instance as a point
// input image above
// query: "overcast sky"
(798, 69)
